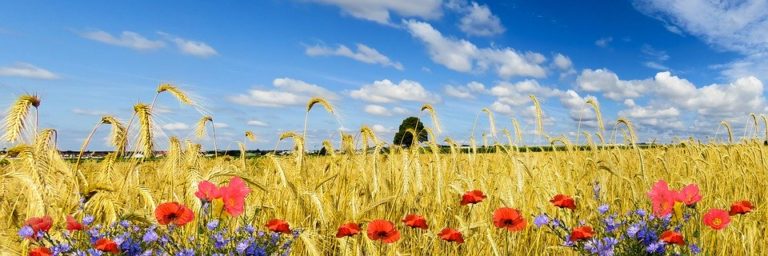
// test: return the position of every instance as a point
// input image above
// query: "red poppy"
(40, 251)
(173, 212)
(73, 225)
(106, 245)
(472, 197)
(672, 237)
(509, 218)
(279, 226)
(741, 207)
(663, 199)
(563, 201)
(582, 233)
(234, 196)
(40, 223)
(348, 229)
(717, 219)
(415, 221)
(689, 195)
(383, 230)
(207, 191)
(451, 235)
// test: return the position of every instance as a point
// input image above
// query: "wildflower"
(415, 221)
(129, 247)
(633, 229)
(581, 233)
(40, 251)
(213, 224)
(26, 232)
(717, 219)
(348, 229)
(655, 248)
(61, 248)
(740, 207)
(689, 195)
(640, 212)
(602, 209)
(611, 224)
(249, 228)
(234, 196)
(662, 199)
(40, 224)
(672, 237)
(563, 201)
(541, 220)
(279, 226)
(509, 218)
(383, 230)
(596, 190)
(106, 245)
(472, 197)
(451, 235)
(207, 191)
(602, 247)
(73, 225)
(186, 252)
(695, 249)
(219, 241)
(87, 220)
(173, 212)
(125, 223)
(150, 236)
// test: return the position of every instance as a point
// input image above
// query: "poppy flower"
(348, 229)
(672, 237)
(689, 195)
(234, 196)
(451, 235)
(173, 212)
(472, 197)
(39, 224)
(581, 233)
(563, 201)
(663, 199)
(73, 225)
(509, 218)
(207, 191)
(717, 219)
(384, 231)
(278, 226)
(106, 245)
(741, 207)
(415, 221)
(40, 251)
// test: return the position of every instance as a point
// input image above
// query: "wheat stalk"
(433, 115)
(539, 116)
(15, 119)
(143, 112)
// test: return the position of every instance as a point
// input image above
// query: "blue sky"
(675, 69)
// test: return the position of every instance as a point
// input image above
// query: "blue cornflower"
(657, 247)
(125, 223)
(633, 229)
(129, 247)
(695, 249)
(148, 252)
(61, 248)
(541, 220)
(212, 224)
(611, 224)
(568, 242)
(640, 212)
(254, 250)
(94, 252)
(602, 209)
(260, 233)
(556, 223)
(249, 229)
(296, 233)
(274, 238)
(241, 246)
(186, 252)
(150, 236)
(87, 220)
(219, 241)
(26, 231)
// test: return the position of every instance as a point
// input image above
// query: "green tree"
(404, 138)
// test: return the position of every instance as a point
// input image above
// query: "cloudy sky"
(674, 68)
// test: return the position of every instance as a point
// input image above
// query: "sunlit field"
(367, 179)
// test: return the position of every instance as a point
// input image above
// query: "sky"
(674, 68)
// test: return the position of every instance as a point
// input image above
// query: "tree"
(404, 138)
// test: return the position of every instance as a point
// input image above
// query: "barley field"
(368, 179)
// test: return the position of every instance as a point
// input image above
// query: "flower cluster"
(173, 233)
(669, 229)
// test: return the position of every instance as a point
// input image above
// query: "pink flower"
(662, 199)
(234, 196)
(207, 191)
(689, 195)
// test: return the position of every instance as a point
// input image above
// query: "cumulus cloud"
(363, 54)
(384, 91)
(463, 56)
(517, 94)
(27, 70)
(377, 110)
(563, 64)
(609, 84)
(128, 39)
(380, 11)
(190, 47)
(257, 123)
(88, 112)
(465, 91)
(381, 129)
(477, 19)
(577, 106)
(177, 126)
(287, 92)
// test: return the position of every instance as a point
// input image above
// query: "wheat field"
(316, 194)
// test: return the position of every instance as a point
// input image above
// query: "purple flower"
(568, 242)
(602, 209)
(219, 241)
(249, 229)
(640, 212)
(541, 220)
(61, 249)
(26, 231)
(150, 236)
(87, 220)
(611, 224)
(212, 224)
(695, 249)
(186, 252)
(657, 247)
(125, 223)
(632, 230)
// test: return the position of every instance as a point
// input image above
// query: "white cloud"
(220, 125)
(517, 94)
(175, 126)
(604, 42)
(88, 112)
(478, 20)
(377, 110)
(256, 123)
(363, 54)
(190, 47)
(399, 110)
(463, 56)
(608, 83)
(384, 91)
(380, 10)
(562, 62)
(653, 116)
(290, 92)
(126, 39)
(27, 70)
(380, 129)
(655, 65)
(577, 106)
(466, 91)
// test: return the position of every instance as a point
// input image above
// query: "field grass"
(317, 194)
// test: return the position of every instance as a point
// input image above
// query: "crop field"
(368, 181)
